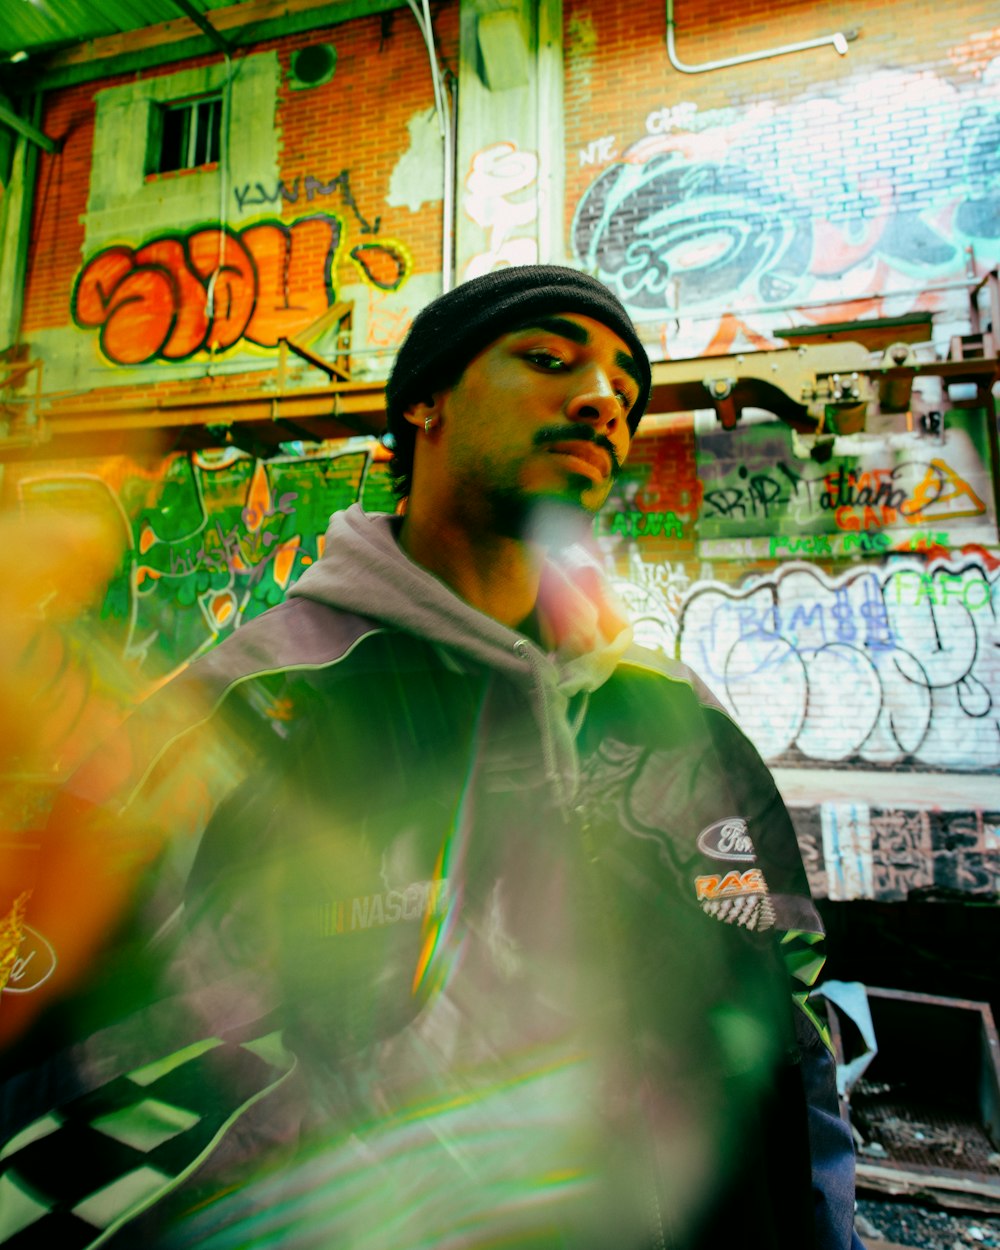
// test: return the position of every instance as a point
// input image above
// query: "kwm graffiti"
(258, 195)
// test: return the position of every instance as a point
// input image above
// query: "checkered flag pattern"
(753, 911)
(72, 1178)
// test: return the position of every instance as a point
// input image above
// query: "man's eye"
(544, 359)
(625, 399)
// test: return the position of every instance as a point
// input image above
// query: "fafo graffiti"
(207, 289)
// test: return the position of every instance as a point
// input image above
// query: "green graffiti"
(210, 540)
(968, 589)
(644, 525)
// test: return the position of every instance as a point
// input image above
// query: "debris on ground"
(906, 1224)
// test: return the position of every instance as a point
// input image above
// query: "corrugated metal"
(40, 26)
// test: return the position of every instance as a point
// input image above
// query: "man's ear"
(418, 412)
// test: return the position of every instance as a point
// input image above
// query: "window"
(185, 134)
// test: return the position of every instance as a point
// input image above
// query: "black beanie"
(458, 325)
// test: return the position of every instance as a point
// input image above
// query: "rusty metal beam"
(800, 385)
(198, 419)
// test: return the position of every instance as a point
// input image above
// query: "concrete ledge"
(810, 787)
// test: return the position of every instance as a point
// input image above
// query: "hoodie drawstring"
(526, 651)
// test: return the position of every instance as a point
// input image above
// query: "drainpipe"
(840, 41)
(448, 205)
(442, 105)
(227, 111)
(15, 226)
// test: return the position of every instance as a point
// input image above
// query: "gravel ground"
(929, 1228)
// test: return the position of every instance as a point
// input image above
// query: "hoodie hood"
(363, 570)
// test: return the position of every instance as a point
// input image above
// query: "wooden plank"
(255, 13)
(956, 1192)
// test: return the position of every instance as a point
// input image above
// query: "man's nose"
(595, 401)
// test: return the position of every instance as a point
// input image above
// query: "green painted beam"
(38, 78)
(201, 21)
(15, 232)
(11, 119)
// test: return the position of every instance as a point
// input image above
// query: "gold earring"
(429, 423)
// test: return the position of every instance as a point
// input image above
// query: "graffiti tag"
(877, 667)
(708, 214)
(207, 289)
(500, 199)
(258, 195)
(914, 491)
(641, 524)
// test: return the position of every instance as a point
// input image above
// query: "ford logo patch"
(727, 839)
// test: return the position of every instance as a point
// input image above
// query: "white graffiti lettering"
(500, 197)
(875, 667)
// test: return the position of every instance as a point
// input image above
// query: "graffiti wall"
(888, 674)
(722, 223)
(501, 198)
(899, 665)
(139, 276)
(846, 612)
(754, 480)
(209, 539)
(208, 289)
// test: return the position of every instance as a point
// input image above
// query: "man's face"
(540, 414)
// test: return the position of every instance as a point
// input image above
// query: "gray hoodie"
(363, 570)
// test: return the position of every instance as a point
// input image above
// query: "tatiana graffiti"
(752, 481)
(917, 492)
(499, 197)
(209, 289)
(872, 667)
(871, 189)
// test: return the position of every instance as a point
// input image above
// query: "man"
(515, 894)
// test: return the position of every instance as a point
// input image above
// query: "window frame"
(192, 108)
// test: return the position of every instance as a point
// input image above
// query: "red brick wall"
(856, 176)
(356, 122)
(62, 185)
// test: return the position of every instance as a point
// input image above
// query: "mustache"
(579, 434)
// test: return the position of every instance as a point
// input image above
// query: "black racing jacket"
(403, 992)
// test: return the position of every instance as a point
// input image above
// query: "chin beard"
(550, 521)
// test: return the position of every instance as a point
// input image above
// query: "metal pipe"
(227, 98)
(202, 22)
(839, 41)
(426, 32)
(443, 108)
(679, 314)
(448, 203)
